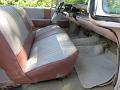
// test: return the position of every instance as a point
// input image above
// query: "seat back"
(25, 17)
(15, 43)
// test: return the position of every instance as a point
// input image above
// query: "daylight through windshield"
(111, 6)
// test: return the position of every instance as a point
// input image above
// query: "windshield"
(111, 6)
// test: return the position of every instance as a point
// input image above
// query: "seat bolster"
(54, 70)
(9, 63)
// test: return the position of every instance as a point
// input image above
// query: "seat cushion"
(55, 48)
(50, 49)
(47, 31)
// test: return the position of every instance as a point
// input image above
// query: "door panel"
(38, 13)
(42, 17)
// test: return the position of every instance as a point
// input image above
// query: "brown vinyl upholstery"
(30, 56)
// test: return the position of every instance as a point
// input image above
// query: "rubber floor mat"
(94, 67)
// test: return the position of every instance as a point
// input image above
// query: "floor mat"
(94, 67)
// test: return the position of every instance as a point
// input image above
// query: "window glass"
(111, 6)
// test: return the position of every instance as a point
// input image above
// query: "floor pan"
(94, 67)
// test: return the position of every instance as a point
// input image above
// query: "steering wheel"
(57, 11)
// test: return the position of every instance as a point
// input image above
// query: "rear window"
(111, 6)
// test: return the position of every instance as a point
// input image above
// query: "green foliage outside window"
(112, 6)
(37, 3)
(34, 3)
(113, 3)
(76, 1)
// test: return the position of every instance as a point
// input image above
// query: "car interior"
(71, 47)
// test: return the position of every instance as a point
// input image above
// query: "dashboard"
(83, 20)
